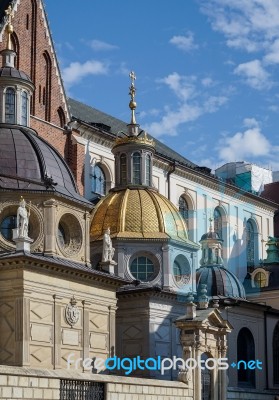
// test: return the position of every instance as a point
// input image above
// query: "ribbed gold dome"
(137, 214)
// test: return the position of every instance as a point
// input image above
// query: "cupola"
(16, 88)
(133, 152)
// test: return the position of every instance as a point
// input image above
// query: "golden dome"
(140, 213)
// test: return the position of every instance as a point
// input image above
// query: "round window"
(142, 268)
(7, 226)
(181, 270)
(69, 235)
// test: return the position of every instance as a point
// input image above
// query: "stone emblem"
(72, 313)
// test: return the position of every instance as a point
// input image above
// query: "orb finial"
(9, 28)
(132, 93)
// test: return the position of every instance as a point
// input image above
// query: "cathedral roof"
(220, 282)
(138, 213)
(28, 162)
(113, 126)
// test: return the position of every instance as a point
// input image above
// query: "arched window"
(98, 180)
(181, 270)
(148, 170)
(250, 243)
(260, 279)
(24, 108)
(61, 115)
(245, 353)
(275, 347)
(206, 380)
(136, 168)
(47, 99)
(218, 222)
(184, 209)
(10, 100)
(142, 268)
(123, 169)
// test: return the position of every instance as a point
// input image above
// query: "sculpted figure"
(22, 219)
(108, 250)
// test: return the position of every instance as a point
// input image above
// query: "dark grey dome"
(220, 282)
(28, 162)
(211, 235)
(9, 72)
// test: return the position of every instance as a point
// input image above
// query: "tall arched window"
(123, 169)
(184, 209)
(98, 180)
(24, 108)
(275, 348)
(61, 115)
(148, 170)
(47, 85)
(245, 353)
(250, 243)
(218, 224)
(136, 168)
(10, 101)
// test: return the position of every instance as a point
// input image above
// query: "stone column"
(166, 267)
(87, 238)
(57, 338)
(50, 227)
(112, 326)
(85, 329)
(22, 331)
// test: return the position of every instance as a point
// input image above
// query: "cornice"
(24, 262)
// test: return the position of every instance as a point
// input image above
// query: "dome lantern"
(16, 88)
(133, 152)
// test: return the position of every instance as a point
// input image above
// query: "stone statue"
(108, 250)
(22, 219)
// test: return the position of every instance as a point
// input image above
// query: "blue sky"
(206, 70)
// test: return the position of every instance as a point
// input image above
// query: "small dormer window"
(24, 108)
(10, 102)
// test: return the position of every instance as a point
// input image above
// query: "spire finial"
(9, 29)
(210, 224)
(132, 93)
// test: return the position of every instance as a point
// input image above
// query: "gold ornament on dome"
(9, 29)
(135, 139)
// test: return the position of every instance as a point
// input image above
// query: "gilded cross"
(133, 77)
(10, 14)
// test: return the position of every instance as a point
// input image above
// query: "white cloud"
(251, 143)
(99, 45)
(76, 71)
(254, 73)
(182, 86)
(185, 43)
(207, 82)
(191, 105)
(249, 25)
(273, 56)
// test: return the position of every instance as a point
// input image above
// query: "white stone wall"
(26, 383)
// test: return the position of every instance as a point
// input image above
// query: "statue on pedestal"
(107, 262)
(20, 233)
(108, 250)
(22, 219)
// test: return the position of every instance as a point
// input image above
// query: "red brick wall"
(36, 58)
